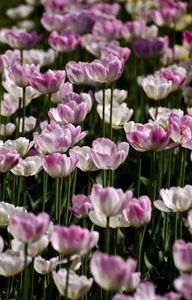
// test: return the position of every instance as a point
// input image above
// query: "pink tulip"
(82, 21)
(82, 205)
(174, 73)
(138, 212)
(22, 40)
(109, 201)
(108, 29)
(68, 41)
(105, 69)
(55, 6)
(189, 219)
(132, 30)
(187, 40)
(110, 9)
(39, 57)
(182, 256)
(8, 159)
(120, 52)
(47, 83)
(28, 228)
(59, 165)
(76, 72)
(146, 137)
(111, 272)
(20, 74)
(183, 285)
(85, 162)
(165, 16)
(63, 92)
(106, 155)
(73, 240)
(54, 21)
(150, 48)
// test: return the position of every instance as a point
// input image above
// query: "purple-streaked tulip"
(68, 41)
(150, 48)
(59, 165)
(30, 123)
(76, 134)
(108, 29)
(146, 137)
(20, 74)
(180, 128)
(8, 108)
(57, 22)
(39, 57)
(50, 82)
(106, 155)
(82, 21)
(53, 138)
(22, 40)
(28, 167)
(8, 159)
(120, 114)
(174, 73)
(182, 256)
(1, 244)
(175, 199)
(120, 52)
(109, 201)
(187, 40)
(9, 59)
(138, 212)
(19, 12)
(43, 266)
(183, 285)
(12, 263)
(118, 96)
(21, 145)
(150, 32)
(78, 286)
(105, 69)
(73, 240)
(28, 228)
(55, 6)
(63, 92)
(156, 87)
(101, 220)
(82, 205)
(76, 72)
(6, 209)
(112, 272)
(71, 112)
(110, 9)
(178, 53)
(83, 97)
(165, 16)
(132, 30)
(85, 162)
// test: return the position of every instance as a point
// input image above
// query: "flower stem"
(25, 291)
(107, 236)
(139, 174)
(104, 109)
(60, 196)
(180, 225)
(67, 279)
(23, 125)
(56, 200)
(45, 177)
(111, 113)
(0, 97)
(68, 199)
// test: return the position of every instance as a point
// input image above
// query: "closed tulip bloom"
(82, 21)
(8, 108)
(22, 40)
(64, 91)
(30, 123)
(28, 228)
(187, 40)
(12, 263)
(150, 48)
(8, 159)
(109, 201)
(82, 205)
(165, 16)
(71, 112)
(28, 167)
(105, 69)
(73, 240)
(78, 286)
(38, 57)
(183, 285)
(53, 138)
(6, 209)
(59, 165)
(47, 83)
(155, 87)
(101, 220)
(111, 272)
(175, 199)
(66, 42)
(120, 52)
(138, 212)
(106, 155)
(182, 255)
(111, 9)
(85, 162)
(146, 137)
(83, 97)
(55, 21)
(20, 74)
(118, 96)
(108, 29)
(189, 219)
(132, 30)
(174, 73)
(76, 72)
(8, 129)
(22, 145)
(43, 266)
(19, 12)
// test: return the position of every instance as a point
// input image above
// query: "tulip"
(20, 74)
(187, 40)
(101, 220)
(118, 96)
(21, 145)
(43, 266)
(19, 12)
(182, 256)
(28, 167)
(8, 159)
(64, 91)
(57, 22)
(78, 286)
(59, 165)
(120, 52)
(106, 155)
(8, 129)
(28, 228)
(38, 57)
(174, 73)
(85, 162)
(82, 21)
(132, 30)
(6, 209)
(108, 29)
(183, 285)
(82, 205)
(150, 48)
(30, 123)
(22, 40)
(111, 272)
(189, 219)
(73, 240)
(68, 41)
(76, 72)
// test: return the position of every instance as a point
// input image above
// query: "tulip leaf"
(149, 266)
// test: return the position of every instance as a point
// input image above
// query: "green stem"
(56, 200)
(19, 119)
(115, 241)
(111, 113)
(160, 172)
(60, 196)
(32, 279)
(88, 183)
(180, 225)
(103, 109)
(13, 190)
(45, 177)
(24, 191)
(4, 184)
(169, 169)
(107, 236)
(175, 227)
(67, 279)
(139, 174)
(7, 289)
(1, 89)
(25, 291)
(44, 283)
(139, 232)
(68, 199)
(23, 124)
(180, 171)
